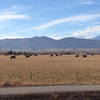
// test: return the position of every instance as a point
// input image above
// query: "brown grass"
(46, 70)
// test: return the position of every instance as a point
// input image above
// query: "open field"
(46, 70)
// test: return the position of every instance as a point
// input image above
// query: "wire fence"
(33, 79)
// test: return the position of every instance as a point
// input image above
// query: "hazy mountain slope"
(48, 43)
(96, 38)
(79, 43)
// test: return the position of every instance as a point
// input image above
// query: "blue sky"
(52, 18)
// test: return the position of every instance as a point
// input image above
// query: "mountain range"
(49, 43)
(97, 37)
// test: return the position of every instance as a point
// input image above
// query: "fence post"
(77, 76)
(31, 76)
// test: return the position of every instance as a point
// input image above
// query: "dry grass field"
(46, 70)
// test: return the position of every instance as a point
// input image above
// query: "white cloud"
(10, 37)
(78, 18)
(88, 32)
(12, 14)
(7, 17)
(86, 2)
(95, 23)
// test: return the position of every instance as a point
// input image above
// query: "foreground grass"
(45, 70)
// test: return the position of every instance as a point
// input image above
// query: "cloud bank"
(78, 18)
(87, 32)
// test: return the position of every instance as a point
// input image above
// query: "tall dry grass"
(46, 70)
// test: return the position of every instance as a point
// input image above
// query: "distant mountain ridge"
(48, 43)
(97, 37)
